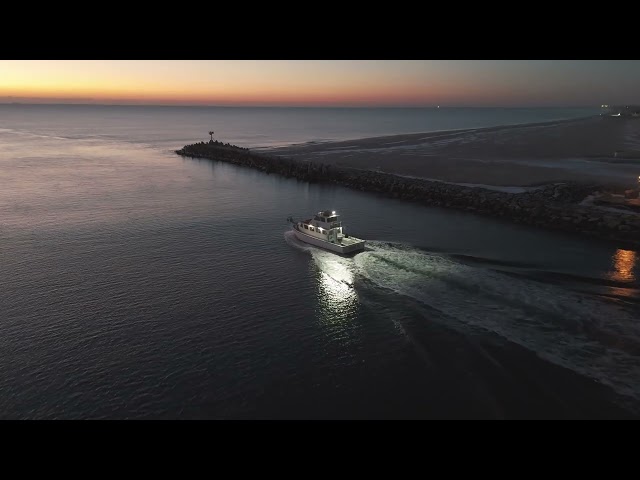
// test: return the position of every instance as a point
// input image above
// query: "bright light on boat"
(333, 213)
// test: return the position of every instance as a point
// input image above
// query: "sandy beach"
(582, 150)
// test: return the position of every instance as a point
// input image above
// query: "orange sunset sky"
(322, 82)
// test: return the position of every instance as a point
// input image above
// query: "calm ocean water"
(135, 283)
(257, 127)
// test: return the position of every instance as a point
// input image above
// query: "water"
(135, 283)
(256, 127)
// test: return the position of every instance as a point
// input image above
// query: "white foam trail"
(569, 329)
(595, 338)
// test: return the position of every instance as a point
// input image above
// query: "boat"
(325, 230)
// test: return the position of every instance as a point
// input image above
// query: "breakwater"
(557, 207)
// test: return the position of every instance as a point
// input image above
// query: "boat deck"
(346, 241)
(346, 245)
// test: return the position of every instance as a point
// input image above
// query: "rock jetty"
(559, 206)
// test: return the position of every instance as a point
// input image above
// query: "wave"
(25, 133)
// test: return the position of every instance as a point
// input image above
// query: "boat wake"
(582, 332)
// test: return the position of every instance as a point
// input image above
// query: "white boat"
(324, 230)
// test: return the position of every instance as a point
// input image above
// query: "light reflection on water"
(337, 296)
(624, 262)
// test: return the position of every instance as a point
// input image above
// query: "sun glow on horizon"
(307, 83)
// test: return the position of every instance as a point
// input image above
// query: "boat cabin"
(325, 225)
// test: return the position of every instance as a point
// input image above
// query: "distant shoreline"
(591, 149)
(424, 134)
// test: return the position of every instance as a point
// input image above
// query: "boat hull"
(356, 246)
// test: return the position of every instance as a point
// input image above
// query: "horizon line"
(5, 102)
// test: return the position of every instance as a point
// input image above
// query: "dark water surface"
(138, 284)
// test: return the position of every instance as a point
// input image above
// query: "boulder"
(633, 193)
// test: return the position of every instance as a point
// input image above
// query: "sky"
(329, 83)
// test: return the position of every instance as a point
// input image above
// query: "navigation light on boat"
(333, 213)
